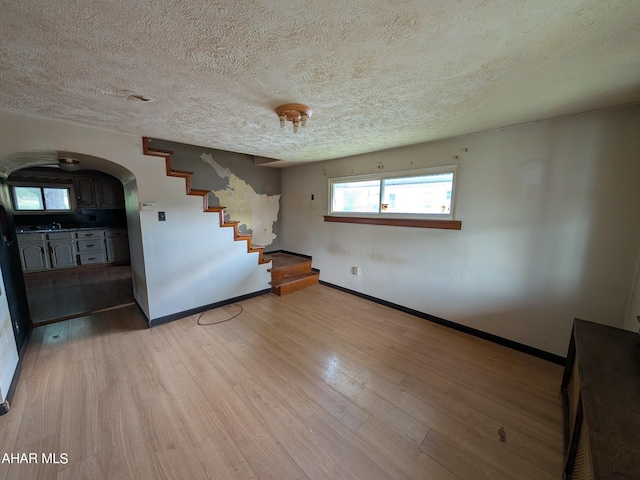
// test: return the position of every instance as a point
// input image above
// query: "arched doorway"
(86, 236)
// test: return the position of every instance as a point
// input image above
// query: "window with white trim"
(41, 198)
(426, 193)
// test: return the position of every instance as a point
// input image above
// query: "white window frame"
(67, 186)
(398, 174)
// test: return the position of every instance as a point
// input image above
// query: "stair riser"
(291, 287)
(298, 269)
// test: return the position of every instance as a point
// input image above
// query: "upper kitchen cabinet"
(110, 193)
(99, 192)
(86, 192)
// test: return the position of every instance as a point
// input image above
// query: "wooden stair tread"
(198, 192)
(284, 260)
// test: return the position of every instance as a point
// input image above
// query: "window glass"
(43, 199)
(427, 194)
(361, 197)
(56, 198)
(28, 198)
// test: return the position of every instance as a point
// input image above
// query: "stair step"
(199, 192)
(294, 283)
(283, 261)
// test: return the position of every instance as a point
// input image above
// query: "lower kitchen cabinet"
(62, 253)
(117, 244)
(90, 249)
(33, 256)
(44, 251)
(61, 249)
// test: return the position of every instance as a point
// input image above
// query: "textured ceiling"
(377, 73)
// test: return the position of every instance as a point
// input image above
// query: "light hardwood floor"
(317, 384)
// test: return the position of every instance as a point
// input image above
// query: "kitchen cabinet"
(86, 192)
(41, 251)
(33, 256)
(61, 249)
(110, 193)
(99, 192)
(117, 243)
(90, 247)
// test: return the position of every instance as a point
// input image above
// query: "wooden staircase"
(238, 237)
(290, 273)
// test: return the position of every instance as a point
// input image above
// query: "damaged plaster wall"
(250, 193)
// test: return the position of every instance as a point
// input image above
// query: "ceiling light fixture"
(295, 113)
(69, 164)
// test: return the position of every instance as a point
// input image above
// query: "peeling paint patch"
(258, 212)
(220, 170)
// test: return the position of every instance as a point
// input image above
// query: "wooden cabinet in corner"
(110, 193)
(99, 192)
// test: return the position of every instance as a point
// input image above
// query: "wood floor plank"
(394, 418)
(80, 341)
(404, 456)
(354, 452)
(510, 418)
(270, 374)
(218, 355)
(79, 422)
(303, 446)
(263, 452)
(449, 417)
(29, 362)
(296, 368)
(222, 459)
(458, 461)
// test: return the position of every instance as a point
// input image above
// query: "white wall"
(183, 263)
(8, 350)
(550, 228)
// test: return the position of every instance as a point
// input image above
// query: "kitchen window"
(395, 198)
(41, 198)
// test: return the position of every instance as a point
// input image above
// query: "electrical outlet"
(355, 270)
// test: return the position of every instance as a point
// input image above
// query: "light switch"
(161, 217)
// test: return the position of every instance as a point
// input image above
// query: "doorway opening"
(72, 239)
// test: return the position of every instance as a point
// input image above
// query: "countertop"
(21, 229)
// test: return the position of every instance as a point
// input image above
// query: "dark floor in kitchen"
(62, 294)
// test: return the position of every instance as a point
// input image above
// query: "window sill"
(398, 222)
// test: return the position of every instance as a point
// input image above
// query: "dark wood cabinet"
(601, 403)
(86, 192)
(99, 192)
(110, 193)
